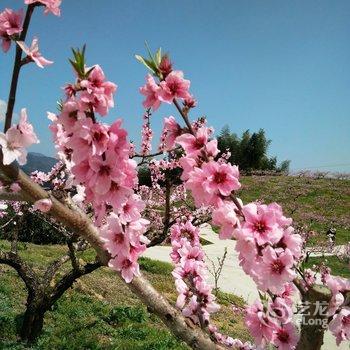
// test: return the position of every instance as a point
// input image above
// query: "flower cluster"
(271, 321)
(16, 139)
(10, 26)
(195, 295)
(172, 87)
(147, 134)
(339, 307)
(97, 155)
(210, 181)
(267, 245)
(33, 53)
(171, 130)
(56, 176)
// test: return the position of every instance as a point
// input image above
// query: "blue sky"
(279, 65)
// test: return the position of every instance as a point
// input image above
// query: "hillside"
(38, 161)
(315, 204)
(99, 310)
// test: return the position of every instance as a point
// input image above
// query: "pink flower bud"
(165, 66)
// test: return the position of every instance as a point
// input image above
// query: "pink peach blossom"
(340, 325)
(115, 239)
(103, 171)
(221, 179)
(226, 218)
(10, 25)
(52, 6)
(259, 324)
(194, 144)
(33, 53)
(171, 131)
(131, 209)
(286, 337)
(174, 86)
(276, 269)
(151, 91)
(26, 129)
(97, 93)
(260, 222)
(126, 266)
(12, 147)
(43, 205)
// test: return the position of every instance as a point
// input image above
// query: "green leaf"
(83, 51)
(149, 65)
(149, 51)
(151, 57)
(60, 105)
(158, 56)
(74, 64)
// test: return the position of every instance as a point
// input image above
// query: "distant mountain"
(38, 161)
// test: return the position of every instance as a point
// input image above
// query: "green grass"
(155, 266)
(314, 204)
(339, 267)
(99, 312)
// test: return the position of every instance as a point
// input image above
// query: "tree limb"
(23, 269)
(16, 69)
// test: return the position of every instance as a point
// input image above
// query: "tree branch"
(16, 69)
(184, 116)
(68, 279)
(166, 221)
(25, 272)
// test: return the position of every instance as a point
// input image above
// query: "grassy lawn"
(99, 312)
(339, 267)
(316, 204)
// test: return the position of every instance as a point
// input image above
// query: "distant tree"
(284, 166)
(250, 150)
(144, 175)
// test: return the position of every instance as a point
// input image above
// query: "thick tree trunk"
(314, 319)
(33, 319)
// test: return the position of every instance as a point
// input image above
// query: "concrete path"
(338, 250)
(233, 279)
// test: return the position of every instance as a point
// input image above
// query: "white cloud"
(3, 106)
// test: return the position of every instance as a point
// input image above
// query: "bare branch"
(25, 272)
(73, 258)
(16, 69)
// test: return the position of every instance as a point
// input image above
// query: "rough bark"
(312, 333)
(42, 293)
(33, 319)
